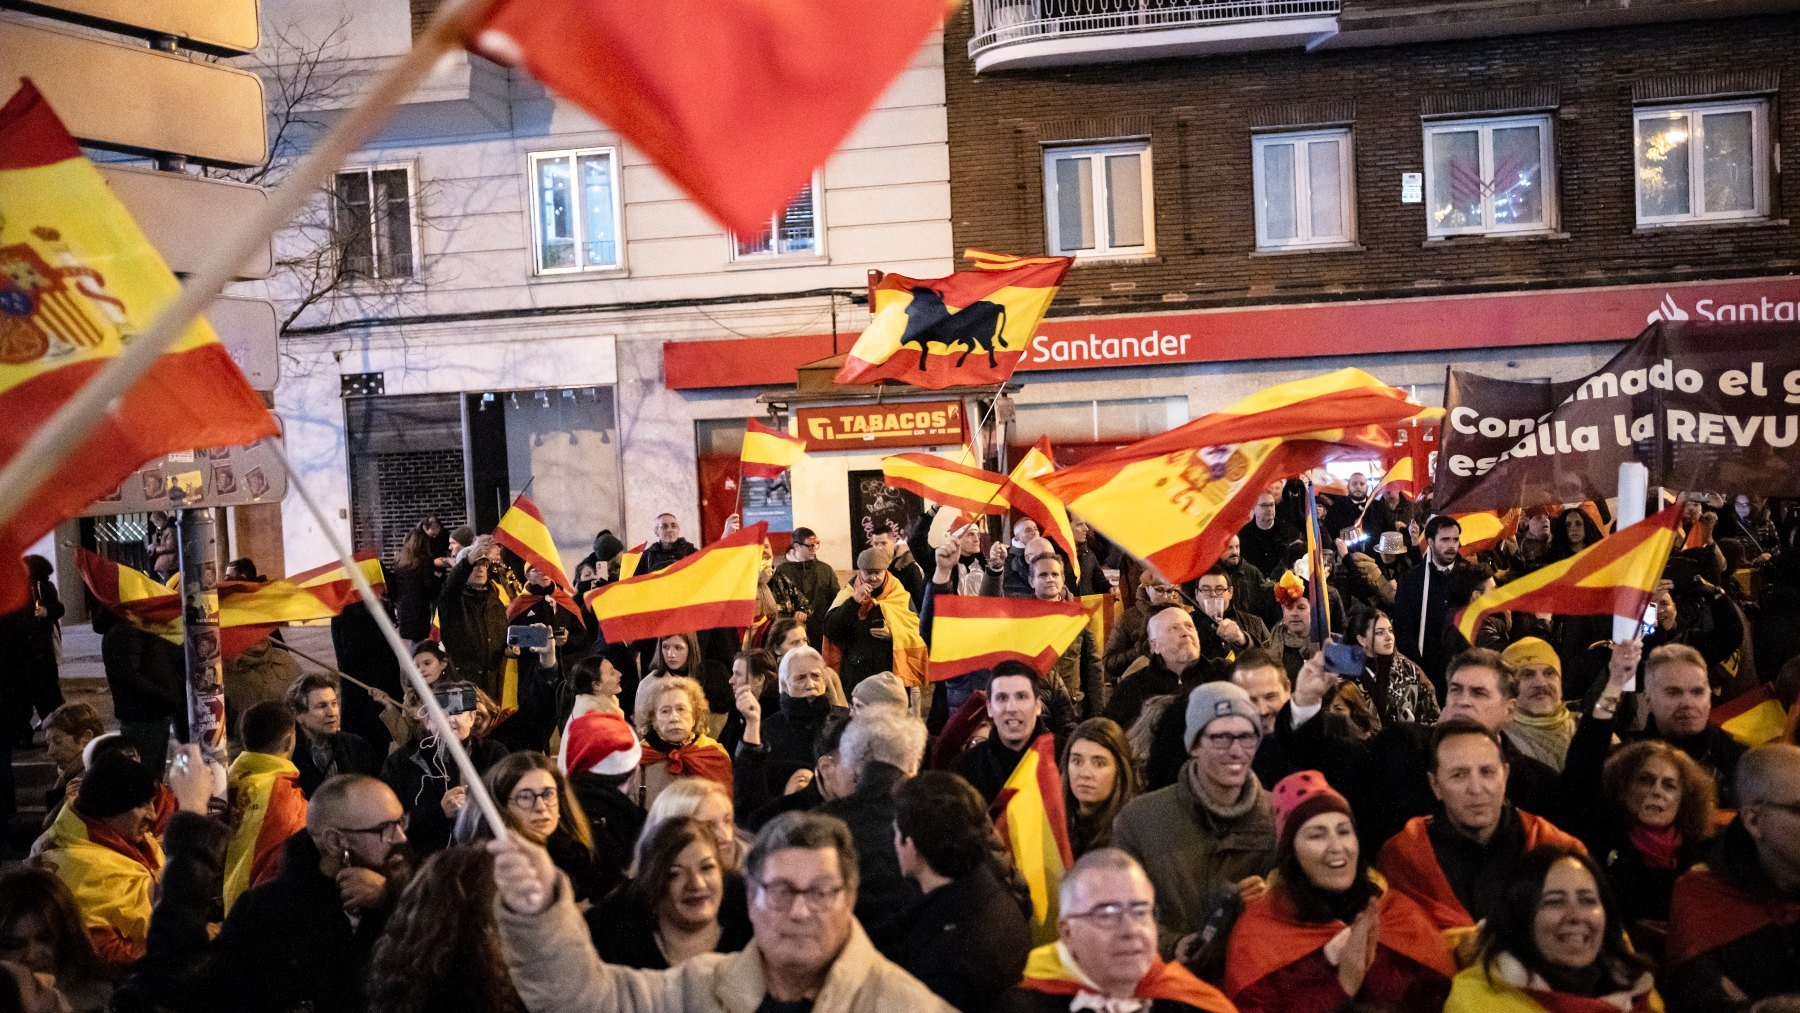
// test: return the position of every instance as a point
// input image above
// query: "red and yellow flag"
(628, 560)
(266, 809)
(1030, 498)
(1753, 717)
(909, 658)
(712, 588)
(968, 329)
(1616, 576)
(1103, 612)
(522, 531)
(941, 480)
(736, 102)
(768, 452)
(76, 278)
(1176, 499)
(1034, 824)
(970, 632)
(1486, 528)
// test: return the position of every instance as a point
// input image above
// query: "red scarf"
(105, 836)
(701, 757)
(1658, 846)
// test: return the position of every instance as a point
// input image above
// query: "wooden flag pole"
(38, 459)
(440, 722)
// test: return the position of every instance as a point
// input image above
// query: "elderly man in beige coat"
(808, 948)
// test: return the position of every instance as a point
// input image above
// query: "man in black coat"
(1173, 664)
(324, 749)
(967, 937)
(857, 626)
(669, 546)
(304, 939)
(1384, 777)
(882, 747)
(1429, 595)
(147, 676)
(1264, 541)
(1016, 712)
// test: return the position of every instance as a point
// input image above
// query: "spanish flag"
(331, 583)
(1484, 529)
(1103, 612)
(1030, 498)
(266, 809)
(1615, 576)
(1753, 717)
(1401, 476)
(76, 279)
(1035, 826)
(737, 103)
(970, 633)
(1176, 499)
(628, 560)
(1048, 973)
(522, 531)
(968, 489)
(969, 329)
(714, 587)
(768, 452)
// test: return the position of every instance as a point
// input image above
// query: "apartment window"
(1702, 163)
(372, 221)
(1305, 192)
(793, 232)
(1489, 176)
(1099, 200)
(575, 216)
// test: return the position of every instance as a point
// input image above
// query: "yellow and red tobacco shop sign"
(864, 427)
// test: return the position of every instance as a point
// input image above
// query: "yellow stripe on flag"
(715, 587)
(969, 489)
(1034, 501)
(522, 529)
(1034, 825)
(969, 633)
(768, 452)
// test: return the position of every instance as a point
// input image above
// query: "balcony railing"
(1009, 23)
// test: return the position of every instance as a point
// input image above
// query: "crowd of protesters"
(772, 821)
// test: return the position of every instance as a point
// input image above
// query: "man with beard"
(304, 939)
(1173, 664)
(1015, 708)
(1357, 510)
(1249, 582)
(1428, 596)
(1542, 725)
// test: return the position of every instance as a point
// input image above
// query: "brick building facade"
(1200, 115)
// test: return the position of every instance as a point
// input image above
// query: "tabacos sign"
(861, 427)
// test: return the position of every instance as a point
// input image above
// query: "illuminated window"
(1490, 176)
(1702, 163)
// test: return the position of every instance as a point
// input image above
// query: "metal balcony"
(1019, 34)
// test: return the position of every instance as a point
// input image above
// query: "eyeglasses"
(810, 545)
(1111, 916)
(384, 829)
(1209, 592)
(528, 799)
(1223, 741)
(780, 896)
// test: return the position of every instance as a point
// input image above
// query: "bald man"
(1173, 664)
(1734, 923)
(304, 938)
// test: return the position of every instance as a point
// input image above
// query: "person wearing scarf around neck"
(1657, 824)
(675, 741)
(1555, 944)
(1329, 934)
(1104, 959)
(1542, 726)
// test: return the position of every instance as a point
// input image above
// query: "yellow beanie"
(1531, 651)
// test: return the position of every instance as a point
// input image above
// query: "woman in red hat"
(1329, 934)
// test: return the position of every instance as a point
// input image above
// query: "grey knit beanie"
(1210, 701)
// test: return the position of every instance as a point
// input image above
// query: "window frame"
(533, 208)
(1485, 127)
(774, 256)
(1096, 152)
(368, 172)
(1763, 152)
(1303, 188)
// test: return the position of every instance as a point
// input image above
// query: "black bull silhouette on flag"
(981, 324)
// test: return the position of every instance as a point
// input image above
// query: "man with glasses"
(817, 581)
(1105, 954)
(1266, 538)
(1129, 639)
(1734, 923)
(1207, 839)
(1225, 629)
(808, 953)
(304, 938)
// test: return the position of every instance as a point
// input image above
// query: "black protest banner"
(1706, 407)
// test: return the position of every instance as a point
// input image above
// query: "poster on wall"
(768, 499)
(875, 507)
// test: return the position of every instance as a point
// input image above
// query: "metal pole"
(200, 614)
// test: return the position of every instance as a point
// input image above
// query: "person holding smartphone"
(427, 780)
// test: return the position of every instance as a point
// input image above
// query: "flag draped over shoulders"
(267, 808)
(77, 280)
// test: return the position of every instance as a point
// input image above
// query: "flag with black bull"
(1704, 406)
